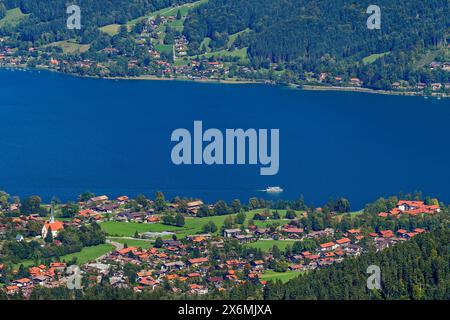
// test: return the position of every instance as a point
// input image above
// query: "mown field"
(144, 244)
(85, 255)
(89, 253)
(283, 276)
(113, 29)
(69, 46)
(266, 245)
(12, 18)
(192, 225)
(128, 229)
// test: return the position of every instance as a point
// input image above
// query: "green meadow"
(113, 29)
(267, 245)
(12, 18)
(192, 225)
(85, 255)
(89, 253)
(128, 229)
(373, 57)
(132, 242)
(283, 276)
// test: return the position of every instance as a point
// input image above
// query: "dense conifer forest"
(326, 36)
(417, 269)
(290, 42)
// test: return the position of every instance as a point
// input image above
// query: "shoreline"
(363, 90)
(306, 87)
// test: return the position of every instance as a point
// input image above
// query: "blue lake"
(61, 135)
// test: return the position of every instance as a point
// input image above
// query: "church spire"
(52, 216)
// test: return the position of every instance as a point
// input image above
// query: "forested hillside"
(325, 36)
(293, 42)
(416, 269)
(47, 21)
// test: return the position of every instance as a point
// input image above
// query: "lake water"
(61, 135)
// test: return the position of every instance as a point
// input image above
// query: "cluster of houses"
(189, 265)
(325, 77)
(413, 208)
(445, 66)
(51, 277)
(198, 274)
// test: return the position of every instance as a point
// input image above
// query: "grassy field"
(70, 47)
(89, 253)
(133, 242)
(164, 48)
(428, 57)
(373, 57)
(266, 245)
(192, 225)
(352, 214)
(240, 53)
(85, 255)
(172, 11)
(283, 276)
(113, 29)
(128, 229)
(232, 37)
(12, 18)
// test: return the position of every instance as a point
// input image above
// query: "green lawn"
(70, 47)
(266, 245)
(373, 57)
(111, 29)
(172, 11)
(12, 17)
(133, 242)
(232, 37)
(240, 53)
(89, 253)
(352, 214)
(192, 225)
(283, 276)
(128, 229)
(164, 48)
(85, 255)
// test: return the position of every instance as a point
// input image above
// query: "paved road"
(117, 245)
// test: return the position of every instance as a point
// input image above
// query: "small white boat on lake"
(274, 190)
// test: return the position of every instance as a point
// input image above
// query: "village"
(192, 256)
(159, 50)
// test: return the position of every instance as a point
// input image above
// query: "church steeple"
(52, 216)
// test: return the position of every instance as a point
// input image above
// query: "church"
(54, 226)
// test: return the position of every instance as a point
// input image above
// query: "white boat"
(274, 189)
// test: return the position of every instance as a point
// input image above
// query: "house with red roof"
(328, 246)
(197, 261)
(343, 241)
(387, 233)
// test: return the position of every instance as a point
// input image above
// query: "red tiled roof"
(127, 250)
(387, 233)
(327, 245)
(410, 203)
(343, 240)
(198, 260)
(55, 226)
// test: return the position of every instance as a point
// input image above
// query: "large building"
(54, 226)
